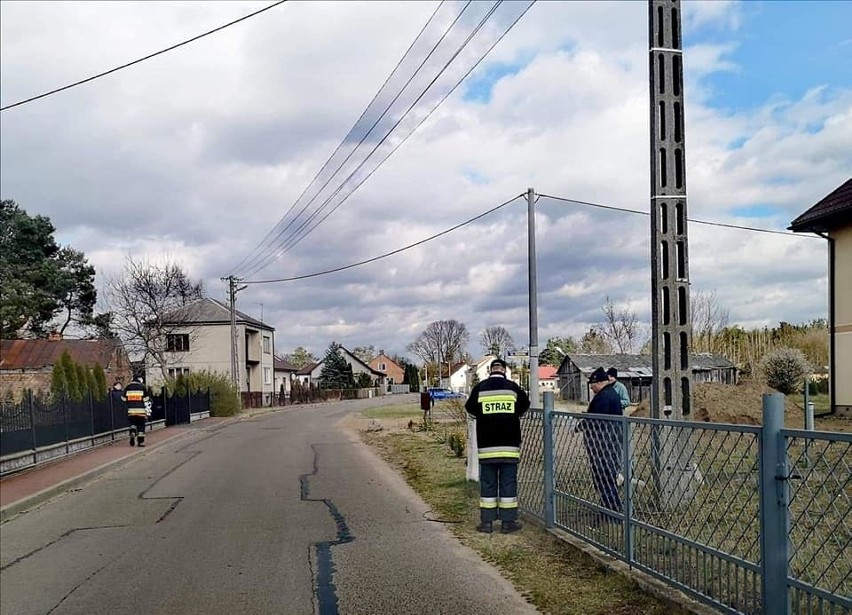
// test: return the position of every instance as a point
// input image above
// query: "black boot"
(486, 527)
(507, 527)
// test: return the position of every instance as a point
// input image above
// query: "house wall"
(255, 361)
(209, 350)
(285, 378)
(391, 370)
(458, 380)
(843, 319)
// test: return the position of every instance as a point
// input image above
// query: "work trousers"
(498, 490)
(604, 460)
(137, 427)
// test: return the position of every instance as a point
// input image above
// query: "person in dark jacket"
(603, 439)
(138, 410)
(497, 404)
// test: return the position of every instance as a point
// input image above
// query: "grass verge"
(552, 575)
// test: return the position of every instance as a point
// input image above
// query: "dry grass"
(553, 575)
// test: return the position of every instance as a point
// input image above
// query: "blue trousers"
(498, 491)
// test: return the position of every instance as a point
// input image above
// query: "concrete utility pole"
(533, 353)
(671, 342)
(675, 473)
(232, 302)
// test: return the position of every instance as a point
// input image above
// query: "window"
(267, 344)
(267, 379)
(383, 367)
(174, 372)
(177, 342)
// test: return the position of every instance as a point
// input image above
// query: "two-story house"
(392, 370)
(199, 339)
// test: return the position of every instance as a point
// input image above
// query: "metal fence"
(747, 519)
(35, 422)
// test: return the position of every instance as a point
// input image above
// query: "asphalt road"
(282, 513)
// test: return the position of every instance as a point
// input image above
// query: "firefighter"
(138, 410)
(497, 404)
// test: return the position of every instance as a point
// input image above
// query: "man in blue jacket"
(497, 404)
(603, 439)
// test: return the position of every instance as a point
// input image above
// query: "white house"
(283, 374)
(481, 369)
(459, 377)
(200, 340)
(311, 373)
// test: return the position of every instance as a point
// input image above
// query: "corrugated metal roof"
(38, 354)
(831, 211)
(636, 365)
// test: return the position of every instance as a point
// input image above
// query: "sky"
(194, 156)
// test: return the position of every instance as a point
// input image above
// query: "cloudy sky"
(197, 154)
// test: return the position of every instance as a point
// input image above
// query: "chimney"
(54, 336)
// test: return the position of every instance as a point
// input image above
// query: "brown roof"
(832, 211)
(307, 369)
(38, 354)
(280, 364)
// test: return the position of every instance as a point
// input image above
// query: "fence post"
(189, 403)
(111, 414)
(774, 513)
(92, 416)
(547, 435)
(65, 422)
(627, 473)
(32, 422)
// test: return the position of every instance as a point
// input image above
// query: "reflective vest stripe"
(488, 502)
(508, 503)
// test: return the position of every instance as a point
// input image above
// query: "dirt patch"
(743, 405)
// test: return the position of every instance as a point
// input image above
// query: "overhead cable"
(391, 253)
(284, 248)
(251, 258)
(705, 222)
(147, 57)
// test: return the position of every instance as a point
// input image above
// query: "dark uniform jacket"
(604, 436)
(497, 404)
(135, 397)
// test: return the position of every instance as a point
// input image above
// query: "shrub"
(785, 369)
(457, 442)
(224, 397)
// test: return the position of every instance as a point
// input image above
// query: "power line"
(387, 254)
(251, 257)
(148, 57)
(259, 257)
(705, 222)
(292, 240)
(404, 139)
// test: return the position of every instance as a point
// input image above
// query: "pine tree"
(100, 381)
(58, 382)
(70, 369)
(82, 382)
(336, 372)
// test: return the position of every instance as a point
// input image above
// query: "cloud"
(198, 153)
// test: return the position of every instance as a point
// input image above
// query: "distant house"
(831, 218)
(460, 377)
(481, 368)
(311, 373)
(283, 374)
(393, 371)
(28, 364)
(546, 378)
(634, 371)
(200, 340)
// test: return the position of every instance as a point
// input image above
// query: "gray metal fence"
(747, 519)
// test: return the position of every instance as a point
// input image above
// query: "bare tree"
(365, 353)
(496, 340)
(594, 342)
(621, 328)
(442, 340)
(152, 312)
(708, 320)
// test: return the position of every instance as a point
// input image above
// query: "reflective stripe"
(508, 503)
(498, 392)
(487, 503)
(500, 455)
(134, 395)
(137, 412)
(501, 397)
